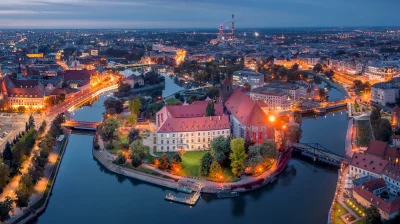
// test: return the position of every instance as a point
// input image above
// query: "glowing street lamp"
(272, 118)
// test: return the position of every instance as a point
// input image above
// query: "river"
(84, 192)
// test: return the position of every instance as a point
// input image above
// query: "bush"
(109, 146)
(96, 146)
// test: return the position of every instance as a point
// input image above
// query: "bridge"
(84, 99)
(82, 125)
(319, 153)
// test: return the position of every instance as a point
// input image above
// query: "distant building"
(186, 127)
(275, 99)
(255, 79)
(133, 79)
(383, 70)
(25, 93)
(78, 79)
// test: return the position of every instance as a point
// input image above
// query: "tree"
(293, 133)
(42, 127)
(31, 122)
(164, 162)
(219, 149)
(210, 110)
(5, 209)
(4, 175)
(269, 149)
(375, 114)
(372, 216)
(61, 97)
(7, 153)
(318, 68)
(237, 156)
(22, 199)
(254, 158)
(136, 161)
(108, 129)
(113, 106)
(124, 87)
(385, 130)
(21, 109)
(131, 119)
(138, 149)
(176, 165)
(205, 164)
(133, 135)
(295, 67)
(215, 170)
(26, 184)
(121, 159)
(135, 105)
(212, 92)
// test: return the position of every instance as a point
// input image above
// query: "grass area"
(338, 211)
(191, 166)
(362, 221)
(363, 133)
(358, 209)
(119, 144)
(356, 106)
(173, 101)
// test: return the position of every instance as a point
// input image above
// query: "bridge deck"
(319, 152)
(81, 124)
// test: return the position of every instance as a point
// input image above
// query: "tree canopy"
(220, 149)
(205, 164)
(108, 129)
(237, 156)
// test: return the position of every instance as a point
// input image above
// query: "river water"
(84, 192)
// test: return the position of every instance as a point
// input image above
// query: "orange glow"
(272, 118)
(260, 169)
(220, 177)
(284, 126)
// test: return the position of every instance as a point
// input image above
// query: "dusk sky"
(196, 13)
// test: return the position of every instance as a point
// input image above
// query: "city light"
(272, 118)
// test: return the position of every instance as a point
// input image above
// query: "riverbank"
(244, 185)
(39, 205)
(141, 90)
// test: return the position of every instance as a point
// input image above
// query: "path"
(207, 184)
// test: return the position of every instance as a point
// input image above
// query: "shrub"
(109, 146)
(96, 146)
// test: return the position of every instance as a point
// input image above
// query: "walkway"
(209, 185)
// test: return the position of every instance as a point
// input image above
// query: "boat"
(184, 189)
(230, 194)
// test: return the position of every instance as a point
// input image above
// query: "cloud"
(197, 13)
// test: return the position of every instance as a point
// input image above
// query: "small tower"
(19, 74)
(226, 90)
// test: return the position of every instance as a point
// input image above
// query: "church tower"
(226, 90)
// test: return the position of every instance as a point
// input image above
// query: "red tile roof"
(396, 109)
(24, 92)
(192, 110)
(365, 191)
(392, 172)
(194, 124)
(377, 148)
(246, 110)
(369, 162)
(392, 152)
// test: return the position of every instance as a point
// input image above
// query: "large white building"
(186, 127)
(383, 70)
(385, 92)
(255, 79)
(275, 99)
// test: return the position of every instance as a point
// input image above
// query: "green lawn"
(355, 207)
(191, 165)
(338, 211)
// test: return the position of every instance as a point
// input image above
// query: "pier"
(186, 200)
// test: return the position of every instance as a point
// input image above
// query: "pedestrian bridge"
(82, 125)
(319, 153)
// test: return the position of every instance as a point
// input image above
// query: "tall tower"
(233, 26)
(221, 30)
(226, 90)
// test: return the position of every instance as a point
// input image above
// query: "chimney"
(219, 117)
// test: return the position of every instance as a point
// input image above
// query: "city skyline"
(139, 14)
